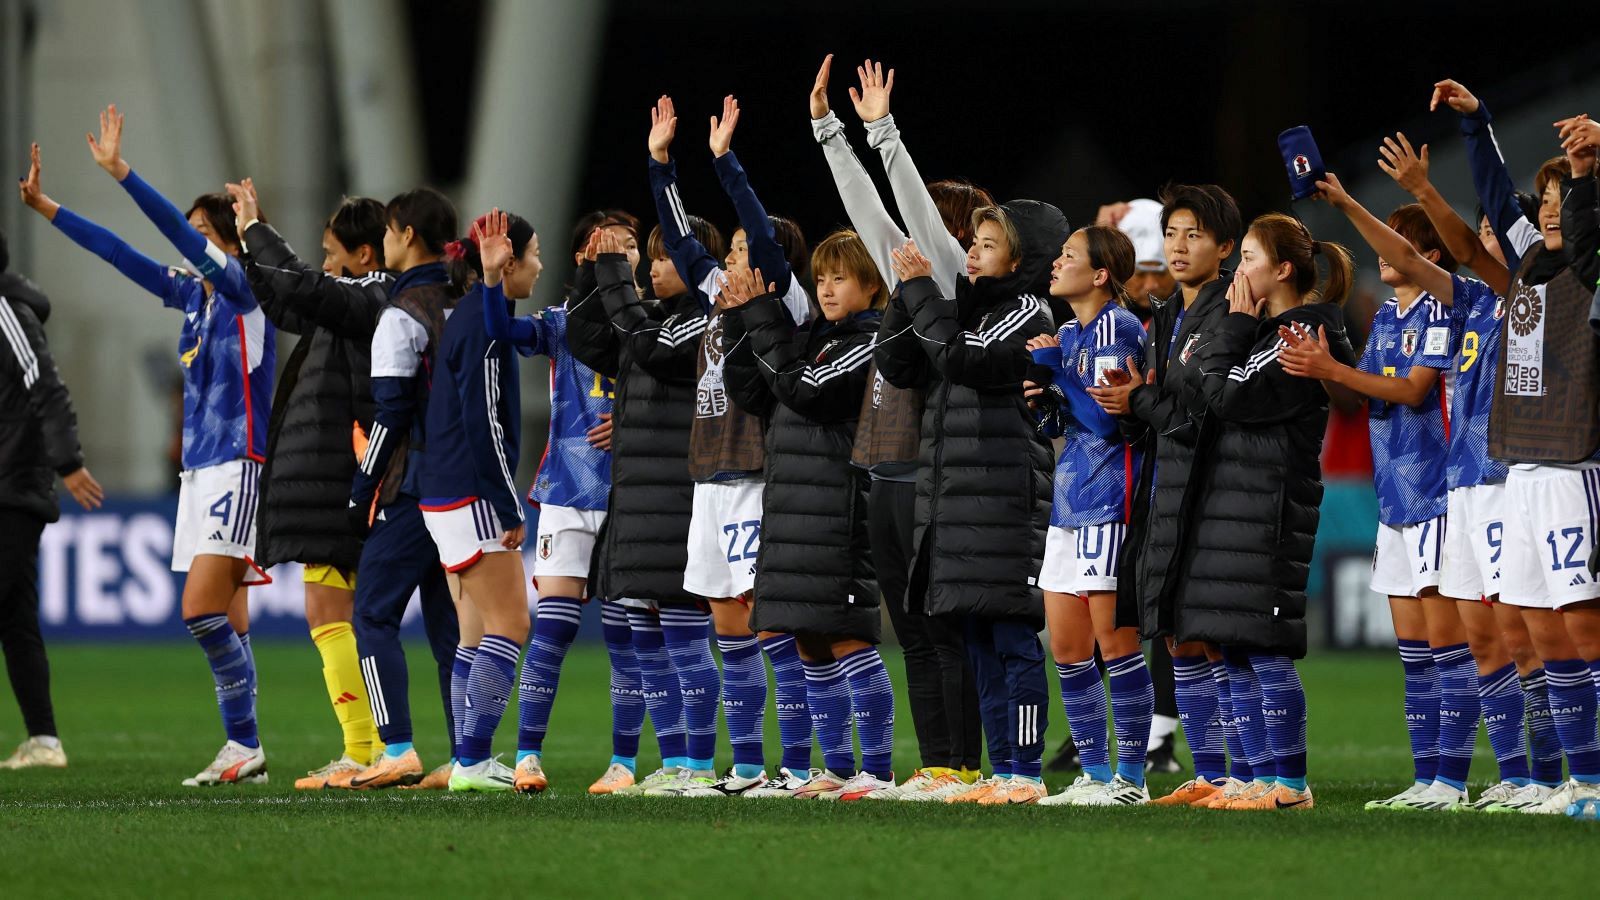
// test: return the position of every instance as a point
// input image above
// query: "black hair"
(358, 222)
(1528, 203)
(703, 231)
(218, 210)
(602, 218)
(1214, 209)
(5, 253)
(464, 261)
(793, 242)
(429, 214)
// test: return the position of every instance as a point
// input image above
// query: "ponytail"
(1112, 250)
(1287, 240)
(465, 264)
(1341, 271)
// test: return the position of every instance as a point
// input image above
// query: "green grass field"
(137, 719)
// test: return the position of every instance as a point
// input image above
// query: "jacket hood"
(20, 290)
(1041, 229)
(1331, 317)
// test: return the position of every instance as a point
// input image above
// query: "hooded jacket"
(38, 428)
(984, 485)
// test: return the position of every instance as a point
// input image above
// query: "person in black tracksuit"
(38, 441)
(984, 489)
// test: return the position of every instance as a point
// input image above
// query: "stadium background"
(540, 105)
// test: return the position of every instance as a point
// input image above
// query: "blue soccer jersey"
(572, 472)
(1473, 355)
(1408, 442)
(1095, 474)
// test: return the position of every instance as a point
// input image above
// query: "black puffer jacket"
(814, 573)
(323, 400)
(38, 428)
(1242, 583)
(984, 485)
(1171, 414)
(649, 350)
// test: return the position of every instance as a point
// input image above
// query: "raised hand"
(1404, 165)
(872, 100)
(1454, 95)
(1305, 357)
(819, 91)
(1580, 136)
(1332, 191)
(663, 128)
(1242, 297)
(245, 205)
(722, 131)
(494, 246)
(32, 191)
(108, 149)
(608, 242)
(908, 262)
(591, 247)
(1111, 213)
(741, 285)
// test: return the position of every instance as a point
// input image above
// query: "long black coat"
(323, 398)
(649, 351)
(38, 428)
(814, 572)
(984, 485)
(1258, 495)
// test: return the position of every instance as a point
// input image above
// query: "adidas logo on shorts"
(1576, 581)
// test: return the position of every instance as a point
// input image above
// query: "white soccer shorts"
(217, 516)
(564, 545)
(1408, 557)
(464, 532)
(1082, 560)
(724, 538)
(1473, 542)
(1550, 527)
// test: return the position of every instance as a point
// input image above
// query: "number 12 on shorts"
(1572, 540)
(752, 539)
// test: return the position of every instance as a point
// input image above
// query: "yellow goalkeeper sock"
(341, 669)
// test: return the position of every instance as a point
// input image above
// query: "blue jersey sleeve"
(1496, 190)
(765, 252)
(227, 277)
(394, 412)
(480, 401)
(1127, 343)
(689, 256)
(140, 269)
(1440, 338)
(526, 333)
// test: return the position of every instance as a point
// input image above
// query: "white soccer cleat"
(863, 785)
(1119, 792)
(1492, 795)
(1438, 797)
(824, 785)
(235, 764)
(1082, 786)
(920, 780)
(1530, 794)
(681, 784)
(783, 785)
(944, 788)
(655, 779)
(1416, 788)
(729, 785)
(1562, 797)
(34, 753)
(491, 776)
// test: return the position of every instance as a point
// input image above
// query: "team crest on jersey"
(1083, 362)
(1408, 341)
(1189, 347)
(1499, 308)
(1302, 166)
(545, 540)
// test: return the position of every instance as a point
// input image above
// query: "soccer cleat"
(680, 784)
(919, 780)
(1416, 788)
(1492, 795)
(1163, 760)
(529, 777)
(1280, 797)
(235, 764)
(941, 789)
(1234, 789)
(1530, 794)
(1081, 787)
(1568, 794)
(655, 779)
(824, 785)
(436, 780)
(389, 771)
(729, 785)
(981, 788)
(1439, 797)
(1188, 793)
(32, 753)
(317, 779)
(617, 777)
(1016, 792)
(1120, 792)
(491, 776)
(1066, 759)
(865, 785)
(784, 784)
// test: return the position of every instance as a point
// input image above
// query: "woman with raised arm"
(227, 350)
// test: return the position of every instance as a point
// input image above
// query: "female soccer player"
(1089, 516)
(227, 350)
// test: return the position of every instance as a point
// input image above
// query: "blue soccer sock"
(555, 625)
(1594, 674)
(663, 695)
(1500, 697)
(794, 719)
(1133, 702)
(1083, 699)
(627, 693)
(398, 749)
(828, 699)
(460, 671)
(230, 675)
(1458, 713)
(1544, 745)
(1238, 760)
(1572, 708)
(494, 670)
(1197, 715)
(1244, 690)
(1283, 706)
(249, 661)
(872, 703)
(744, 698)
(1421, 708)
(686, 631)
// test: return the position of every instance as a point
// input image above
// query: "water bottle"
(1587, 808)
